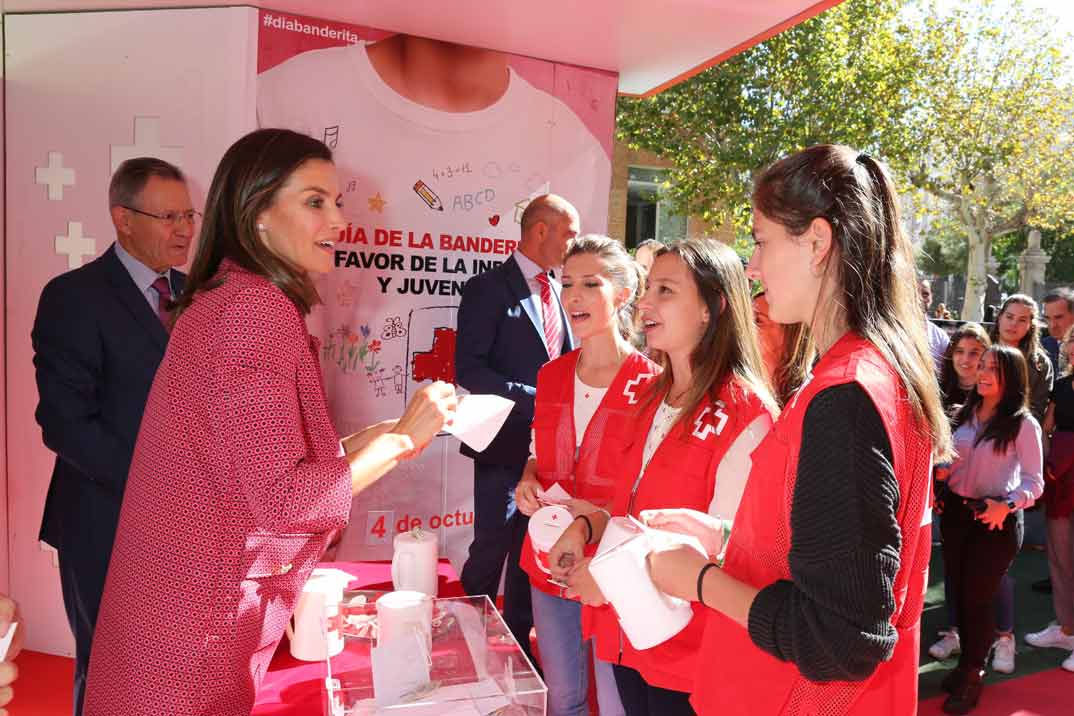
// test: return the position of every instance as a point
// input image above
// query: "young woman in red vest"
(816, 608)
(581, 396)
(687, 446)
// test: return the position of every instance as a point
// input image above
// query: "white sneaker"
(947, 646)
(1068, 663)
(1003, 654)
(1051, 636)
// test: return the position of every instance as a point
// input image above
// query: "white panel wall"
(177, 84)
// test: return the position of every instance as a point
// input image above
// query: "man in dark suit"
(510, 323)
(1059, 312)
(99, 335)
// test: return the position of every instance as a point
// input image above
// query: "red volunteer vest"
(591, 475)
(736, 677)
(681, 473)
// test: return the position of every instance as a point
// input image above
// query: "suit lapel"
(122, 285)
(517, 282)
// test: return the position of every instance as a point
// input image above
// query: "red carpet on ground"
(44, 689)
(1046, 693)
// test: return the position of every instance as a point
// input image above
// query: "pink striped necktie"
(164, 297)
(553, 328)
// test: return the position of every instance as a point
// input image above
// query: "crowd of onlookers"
(1011, 404)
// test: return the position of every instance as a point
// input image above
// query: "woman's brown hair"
(948, 377)
(795, 360)
(1030, 343)
(877, 289)
(1002, 428)
(245, 184)
(728, 347)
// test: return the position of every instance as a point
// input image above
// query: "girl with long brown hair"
(1016, 326)
(818, 601)
(687, 446)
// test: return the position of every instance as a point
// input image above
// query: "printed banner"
(433, 196)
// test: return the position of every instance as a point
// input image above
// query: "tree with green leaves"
(845, 76)
(967, 104)
(993, 125)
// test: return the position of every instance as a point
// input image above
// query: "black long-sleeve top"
(832, 618)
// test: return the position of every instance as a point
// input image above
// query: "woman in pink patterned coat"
(239, 479)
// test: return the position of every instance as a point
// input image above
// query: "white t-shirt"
(418, 171)
(437, 197)
(734, 468)
(586, 401)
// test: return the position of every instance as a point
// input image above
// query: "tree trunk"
(979, 247)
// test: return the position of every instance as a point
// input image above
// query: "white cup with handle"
(308, 630)
(406, 614)
(414, 562)
(647, 615)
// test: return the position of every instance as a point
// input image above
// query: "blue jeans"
(565, 659)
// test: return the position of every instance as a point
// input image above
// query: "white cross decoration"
(54, 556)
(75, 245)
(56, 176)
(146, 144)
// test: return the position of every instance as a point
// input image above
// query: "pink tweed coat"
(235, 488)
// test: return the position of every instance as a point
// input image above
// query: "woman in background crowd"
(239, 479)
(819, 598)
(688, 446)
(958, 378)
(1059, 510)
(1017, 327)
(581, 397)
(997, 473)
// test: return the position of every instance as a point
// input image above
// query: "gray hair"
(621, 270)
(132, 175)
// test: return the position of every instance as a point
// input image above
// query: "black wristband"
(701, 579)
(588, 526)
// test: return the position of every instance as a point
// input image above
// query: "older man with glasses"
(99, 335)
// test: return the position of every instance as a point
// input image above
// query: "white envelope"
(478, 418)
(5, 641)
(554, 495)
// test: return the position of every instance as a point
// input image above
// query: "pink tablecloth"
(296, 688)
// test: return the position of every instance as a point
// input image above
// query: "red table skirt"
(296, 688)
